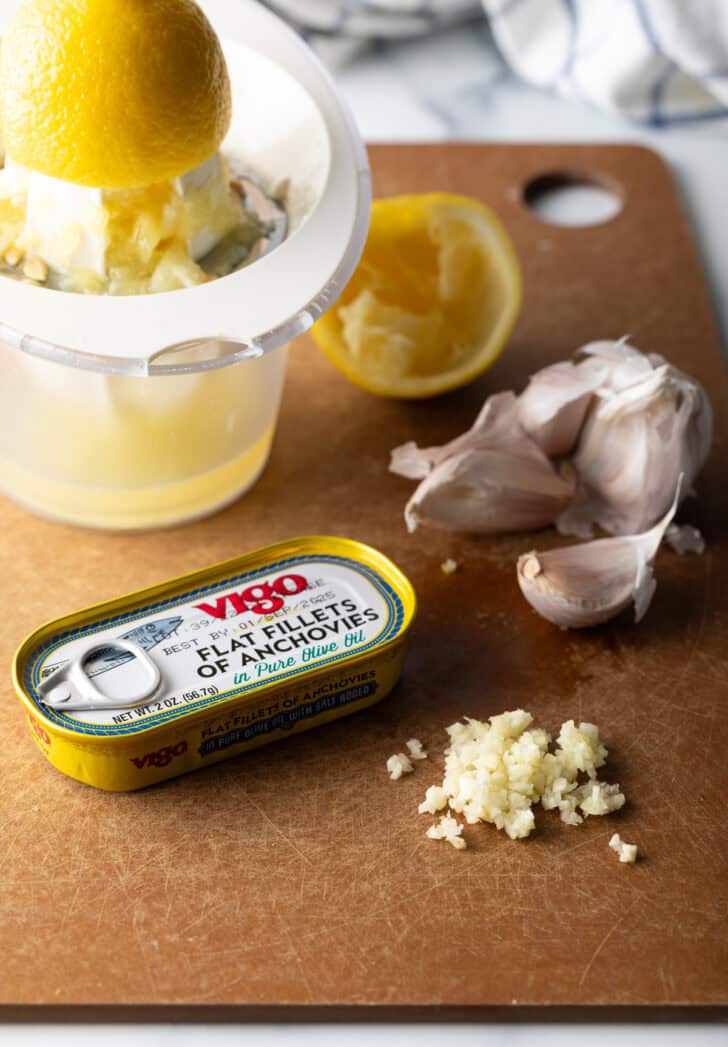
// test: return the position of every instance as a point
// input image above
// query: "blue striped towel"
(658, 61)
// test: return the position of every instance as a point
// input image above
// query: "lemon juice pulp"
(128, 452)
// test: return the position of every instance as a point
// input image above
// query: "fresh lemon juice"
(125, 452)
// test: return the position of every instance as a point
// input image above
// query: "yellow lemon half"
(433, 301)
(112, 94)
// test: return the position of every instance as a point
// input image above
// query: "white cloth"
(367, 19)
(339, 29)
(659, 61)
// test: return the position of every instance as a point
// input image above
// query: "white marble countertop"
(455, 87)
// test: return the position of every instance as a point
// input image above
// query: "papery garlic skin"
(635, 444)
(584, 585)
(685, 539)
(623, 365)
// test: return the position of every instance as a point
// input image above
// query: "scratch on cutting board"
(294, 948)
(218, 989)
(700, 629)
(703, 617)
(71, 906)
(276, 828)
(590, 842)
(696, 838)
(141, 939)
(674, 683)
(592, 959)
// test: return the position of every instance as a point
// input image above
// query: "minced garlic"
(401, 763)
(415, 750)
(435, 800)
(450, 567)
(448, 828)
(398, 765)
(497, 771)
(627, 851)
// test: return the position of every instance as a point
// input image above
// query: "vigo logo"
(39, 731)
(161, 758)
(261, 598)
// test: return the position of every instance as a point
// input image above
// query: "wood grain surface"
(297, 880)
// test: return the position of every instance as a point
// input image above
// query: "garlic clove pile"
(635, 443)
(584, 585)
(631, 430)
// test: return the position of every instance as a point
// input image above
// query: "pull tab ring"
(80, 691)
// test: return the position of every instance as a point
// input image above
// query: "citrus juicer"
(131, 412)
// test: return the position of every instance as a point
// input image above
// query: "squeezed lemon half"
(433, 301)
(112, 94)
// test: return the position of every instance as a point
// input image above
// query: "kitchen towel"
(662, 62)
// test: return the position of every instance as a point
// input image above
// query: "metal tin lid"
(182, 649)
(288, 123)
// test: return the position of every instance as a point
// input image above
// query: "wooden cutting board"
(296, 881)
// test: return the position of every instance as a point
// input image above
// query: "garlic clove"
(490, 492)
(584, 585)
(635, 444)
(497, 426)
(554, 404)
(492, 479)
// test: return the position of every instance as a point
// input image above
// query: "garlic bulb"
(553, 407)
(626, 424)
(492, 479)
(584, 585)
(635, 443)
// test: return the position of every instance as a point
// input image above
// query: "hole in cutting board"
(570, 199)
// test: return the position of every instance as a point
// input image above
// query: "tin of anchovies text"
(250, 651)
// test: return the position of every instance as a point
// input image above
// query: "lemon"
(113, 94)
(433, 301)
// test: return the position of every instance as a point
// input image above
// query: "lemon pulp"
(124, 241)
(433, 301)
